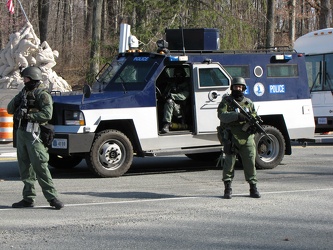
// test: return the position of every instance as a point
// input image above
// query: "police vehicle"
(122, 118)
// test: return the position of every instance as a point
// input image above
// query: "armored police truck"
(123, 116)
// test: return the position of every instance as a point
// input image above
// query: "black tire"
(269, 152)
(212, 156)
(63, 162)
(111, 154)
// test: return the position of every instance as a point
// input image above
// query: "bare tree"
(88, 17)
(43, 16)
(270, 23)
(325, 14)
(292, 21)
(96, 38)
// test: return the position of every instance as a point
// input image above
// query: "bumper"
(66, 144)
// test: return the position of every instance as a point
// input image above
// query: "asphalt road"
(176, 203)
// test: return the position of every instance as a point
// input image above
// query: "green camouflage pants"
(33, 165)
(247, 153)
(171, 109)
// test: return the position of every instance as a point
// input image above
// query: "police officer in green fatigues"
(237, 140)
(31, 108)
(176, 92)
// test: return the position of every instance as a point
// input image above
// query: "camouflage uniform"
(242, 141)
(175, 93)
(32, 155)
(179, 92)
(240, 137)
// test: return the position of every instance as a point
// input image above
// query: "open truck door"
(211, 82)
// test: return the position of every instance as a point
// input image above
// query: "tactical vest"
(28, 102)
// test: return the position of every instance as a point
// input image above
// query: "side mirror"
(86, 91)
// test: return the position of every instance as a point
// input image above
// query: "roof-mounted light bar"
(178, 58)
(282, 57)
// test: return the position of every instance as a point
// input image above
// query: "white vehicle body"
(318, 48)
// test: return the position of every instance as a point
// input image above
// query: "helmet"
(179, 71)
(34, 73)
(238, 81)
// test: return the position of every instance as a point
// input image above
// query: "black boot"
(227, 190)
(254, 193)
(57, 204)
(23, 204)
(166, 128)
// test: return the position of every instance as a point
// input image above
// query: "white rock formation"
(23, 50)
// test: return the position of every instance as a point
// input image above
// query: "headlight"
(74, 118)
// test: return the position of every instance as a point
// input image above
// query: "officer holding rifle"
(236, 131)
(32, 109)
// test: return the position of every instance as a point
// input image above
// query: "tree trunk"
(87, 23)
(270, 23)
(96, 38)
(43, 16)
(324, 15)
(292, 22)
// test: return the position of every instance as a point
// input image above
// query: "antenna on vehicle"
(182, 30)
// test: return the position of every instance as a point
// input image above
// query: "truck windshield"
(106, 74)
(134, 73)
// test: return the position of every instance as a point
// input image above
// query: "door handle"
(213, 95)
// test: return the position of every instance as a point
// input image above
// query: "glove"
(173, 90)
(17, 102)
(23, 114)
(252, 130)
(242, 117)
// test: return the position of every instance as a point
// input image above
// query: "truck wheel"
(111, 154)
(212, 156)
(269, 152)
(63, 162)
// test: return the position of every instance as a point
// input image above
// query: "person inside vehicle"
(175, 93)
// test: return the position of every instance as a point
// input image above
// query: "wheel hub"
(267, 149)
(110, 154)
(263, 147)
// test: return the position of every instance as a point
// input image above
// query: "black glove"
(167, 97)
(173, 90)
(17, 102)
(252, 129)
(242, 117)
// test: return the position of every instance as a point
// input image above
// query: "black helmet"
(34, 73)
(238, 81)
(179, 71)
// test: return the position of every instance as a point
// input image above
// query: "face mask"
(30, 85)
(238, 95)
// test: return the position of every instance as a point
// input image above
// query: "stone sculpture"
(23, 50)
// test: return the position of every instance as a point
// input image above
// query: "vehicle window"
(212, 77)
(285, 70)
(106, 74)
(134, 74)
(238, 70)
(328, 77)
(314, 69)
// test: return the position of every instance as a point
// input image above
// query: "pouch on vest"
(228, 146)
(47, 134)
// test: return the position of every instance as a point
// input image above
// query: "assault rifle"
(253, 123)
(22, 110)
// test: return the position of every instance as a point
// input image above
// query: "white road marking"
(175, 198)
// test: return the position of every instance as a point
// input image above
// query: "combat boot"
(254, 193)
(56, 204)
(23, 204)
(166, 128)
(227, 190)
